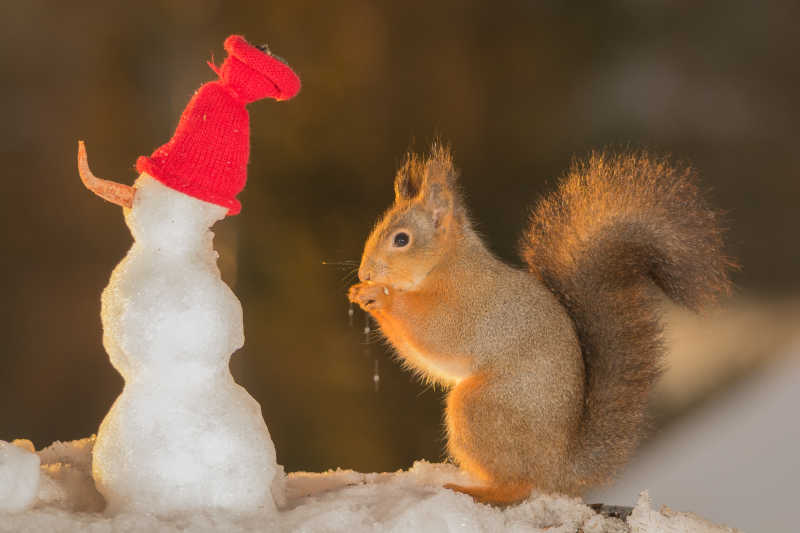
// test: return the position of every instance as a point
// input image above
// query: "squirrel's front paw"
(370, 296)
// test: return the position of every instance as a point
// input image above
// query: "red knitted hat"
(207, 156)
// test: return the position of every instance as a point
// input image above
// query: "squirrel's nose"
(364, 274)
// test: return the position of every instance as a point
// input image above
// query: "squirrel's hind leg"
(495, 495)
(499, 431)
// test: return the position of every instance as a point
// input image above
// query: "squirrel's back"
(618, 227)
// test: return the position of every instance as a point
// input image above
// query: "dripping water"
(376, 377)
(352, 269)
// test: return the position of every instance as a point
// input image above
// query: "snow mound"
(19, 475)
(333, 501)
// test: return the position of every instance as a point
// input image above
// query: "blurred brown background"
(518, 88)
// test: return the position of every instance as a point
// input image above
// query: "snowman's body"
(182, 435)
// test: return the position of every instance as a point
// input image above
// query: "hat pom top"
(252, 74)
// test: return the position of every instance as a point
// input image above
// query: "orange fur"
(500, 496)
(548, 369)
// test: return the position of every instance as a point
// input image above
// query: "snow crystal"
(19, 475)
(182, 435)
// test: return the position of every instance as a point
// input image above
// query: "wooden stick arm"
(111, 191)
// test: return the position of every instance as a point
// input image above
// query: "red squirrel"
(548, 368)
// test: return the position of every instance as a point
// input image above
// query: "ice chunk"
(66, 480)
(25, 444)
(19, 475)
(183, 435)
(644, 519)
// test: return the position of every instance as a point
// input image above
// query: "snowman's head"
(158, 216)
(168, 220)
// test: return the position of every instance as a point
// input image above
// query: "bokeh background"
(517, 88)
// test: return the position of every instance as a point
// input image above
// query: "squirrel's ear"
(439, 199)
(439, 188)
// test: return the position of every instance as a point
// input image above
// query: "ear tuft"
(409, 179)
(439, 166)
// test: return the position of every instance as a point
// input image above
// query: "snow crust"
(182, 435)
(333, 501)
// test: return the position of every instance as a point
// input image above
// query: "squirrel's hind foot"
(497, 495)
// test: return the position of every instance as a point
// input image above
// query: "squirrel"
(548, 368)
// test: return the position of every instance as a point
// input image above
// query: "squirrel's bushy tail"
(618, 226)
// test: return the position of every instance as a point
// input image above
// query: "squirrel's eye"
(401, 239)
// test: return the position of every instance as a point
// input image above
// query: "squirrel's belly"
(437, 367)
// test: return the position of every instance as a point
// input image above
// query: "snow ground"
(340, 500)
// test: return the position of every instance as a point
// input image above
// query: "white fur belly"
(446, 369)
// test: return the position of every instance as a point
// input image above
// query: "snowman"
(183, 436)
